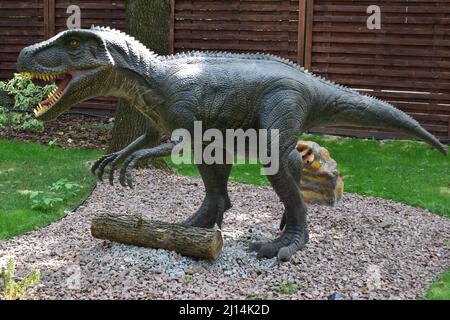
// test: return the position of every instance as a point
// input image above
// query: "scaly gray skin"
(223, 90)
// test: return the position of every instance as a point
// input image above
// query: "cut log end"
(140, 231)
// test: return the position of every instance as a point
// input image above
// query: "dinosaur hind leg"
(295, 164)
(295, 234)
(282, 115)
(216, 201)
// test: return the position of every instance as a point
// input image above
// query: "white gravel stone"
(364, 248)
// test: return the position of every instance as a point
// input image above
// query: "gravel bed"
(364, 248)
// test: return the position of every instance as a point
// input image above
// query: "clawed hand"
(129, 162)
(125, 177)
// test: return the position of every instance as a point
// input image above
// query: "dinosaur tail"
(372, 112)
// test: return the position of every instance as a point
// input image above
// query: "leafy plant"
(188, 279)
(65, 186)
(31, 124)
(40, 201)
(287, 287)
(26, 96)
(16, 289)
(26, 93)
(58, 192)
(53, 143)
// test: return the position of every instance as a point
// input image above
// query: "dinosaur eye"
(74, 43)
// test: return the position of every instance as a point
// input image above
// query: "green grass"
(440, 290)
(404, 171)
(28, 167)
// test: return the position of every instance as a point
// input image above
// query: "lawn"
(25, 168)
(440, 290)
(405, 171)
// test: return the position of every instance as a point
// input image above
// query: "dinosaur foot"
(210, 213)
(284, 247)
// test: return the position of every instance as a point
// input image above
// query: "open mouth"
(62, 80)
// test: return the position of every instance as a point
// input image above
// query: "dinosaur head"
(78, 60)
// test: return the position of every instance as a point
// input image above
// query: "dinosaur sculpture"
(223, 90)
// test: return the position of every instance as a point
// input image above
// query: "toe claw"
(129, 180)
(97, 164)
(284, 254)
(283, 247)
(111, 172)
(255, 246)
(267, 251)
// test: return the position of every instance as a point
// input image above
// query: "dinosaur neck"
(136, 78)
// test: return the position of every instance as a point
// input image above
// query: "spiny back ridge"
(222, 54)
(254, 56)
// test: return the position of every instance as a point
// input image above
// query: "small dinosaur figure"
(223, 90)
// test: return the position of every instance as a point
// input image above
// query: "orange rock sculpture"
(321, 182)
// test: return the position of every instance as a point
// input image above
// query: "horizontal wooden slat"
(406, 62)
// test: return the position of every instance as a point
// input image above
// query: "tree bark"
(147, 21)
(137, 230)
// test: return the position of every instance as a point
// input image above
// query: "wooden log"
(140, 231)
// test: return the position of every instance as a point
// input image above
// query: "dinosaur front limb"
(117, 157)
(162, 150)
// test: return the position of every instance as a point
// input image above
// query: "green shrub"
(41, 201)
(16, 289)
(58, 192)
(287, 287)
(26, 96)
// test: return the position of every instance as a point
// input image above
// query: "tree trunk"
(147, 21)
(137, 230)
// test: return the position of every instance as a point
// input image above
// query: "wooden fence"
(406, 62)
